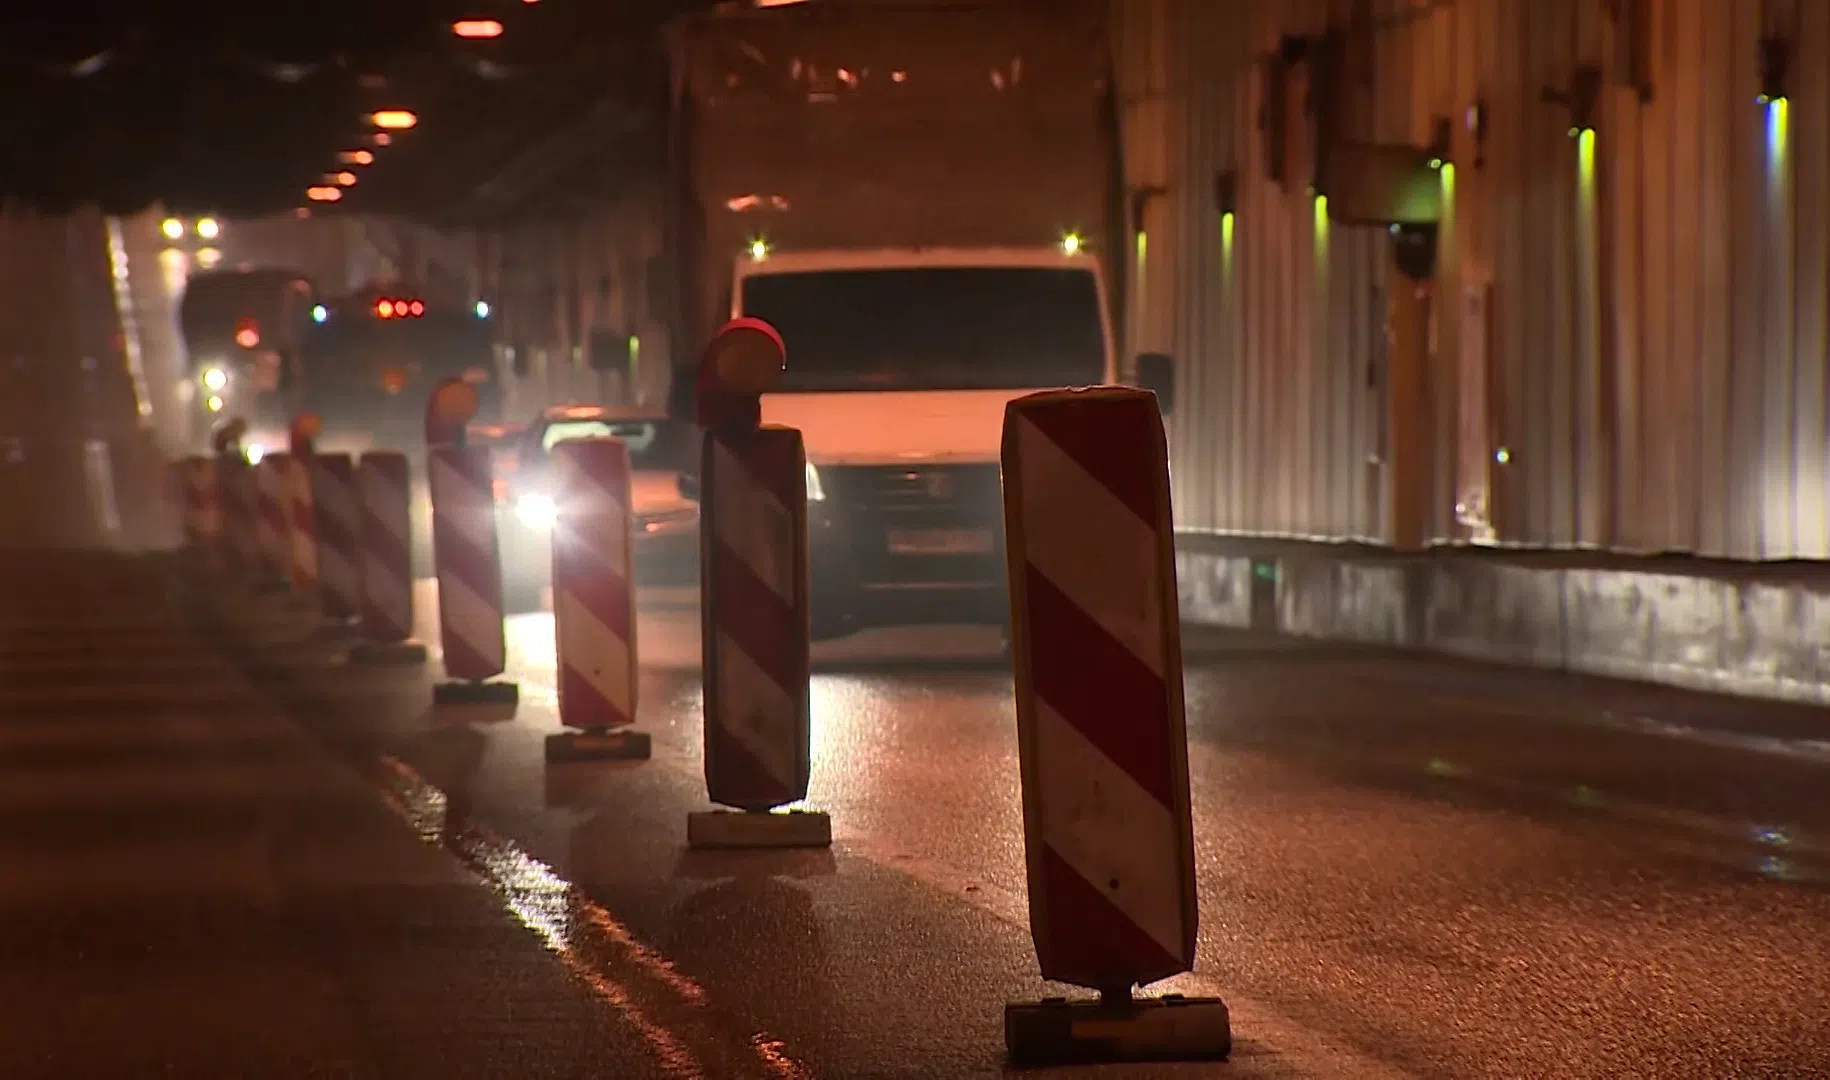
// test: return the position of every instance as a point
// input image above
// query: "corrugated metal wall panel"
(1810, 112)
(1650, 372)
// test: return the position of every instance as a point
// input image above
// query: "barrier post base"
(758, 829)
(603, 744)
(387, 652)
(1117, 1028)
(476, 693)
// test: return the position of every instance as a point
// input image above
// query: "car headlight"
(254, 452)
(215, 379)
(816, 492)
(536, 511)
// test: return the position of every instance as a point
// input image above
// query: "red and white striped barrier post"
(235, 493)
(272, 525)
(1096, 651)
(753, 603)
(307, 519)
(239, 554)
(301, 526)
(465, 549)
(384, 484)
(594, 603)
(338, 519)
(201, 512)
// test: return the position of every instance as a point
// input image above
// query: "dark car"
(666, 522)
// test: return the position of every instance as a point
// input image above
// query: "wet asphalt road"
(1408, 867)
(191, 887)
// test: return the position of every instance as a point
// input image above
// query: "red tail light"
(399, 309)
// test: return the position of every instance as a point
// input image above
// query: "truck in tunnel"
(925, 200)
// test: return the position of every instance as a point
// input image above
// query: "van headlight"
(536, 511)
(815, 491)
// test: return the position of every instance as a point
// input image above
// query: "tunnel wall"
(1720, 626)
(1627, 349)
(79, 462)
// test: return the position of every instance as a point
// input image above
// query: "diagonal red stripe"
(774, 458)
(582, 706)
(578, 572)
(734, 776)
(478, 567)
(387, 608)
(462, 562)
(1083, 939)
(766, 627)
(380, 543)
(385, 528)
(1090, 429)
(594, 494)
(334, 536)
(464, 661)
(387, 614)
(335, 475)
(1099, 686)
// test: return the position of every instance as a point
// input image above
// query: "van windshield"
(934, 328)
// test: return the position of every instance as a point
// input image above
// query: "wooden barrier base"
(770, 829)
(1056, 1031)
(387, 652)
(604, 745)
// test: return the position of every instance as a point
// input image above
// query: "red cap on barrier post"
(744, 359)
(452, 405)
(305, 429)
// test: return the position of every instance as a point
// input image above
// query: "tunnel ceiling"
(235, 109)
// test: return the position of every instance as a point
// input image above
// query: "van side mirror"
(689, 486)
(1156, 372)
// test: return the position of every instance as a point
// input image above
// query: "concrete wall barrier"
(1749, 630)
(1217, 586)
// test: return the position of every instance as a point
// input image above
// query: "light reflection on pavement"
(1397, 874)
